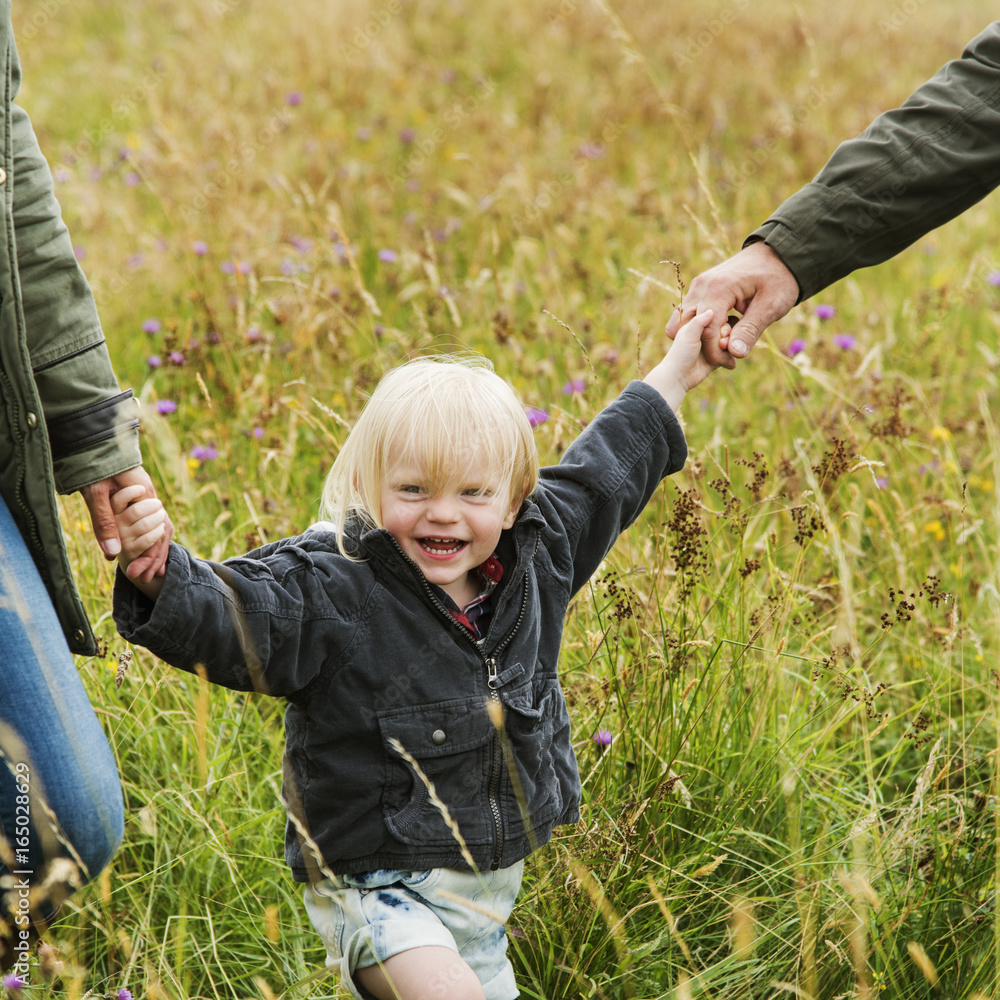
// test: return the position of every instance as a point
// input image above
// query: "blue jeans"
(60, 797)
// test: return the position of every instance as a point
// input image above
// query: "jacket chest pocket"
(451, 744)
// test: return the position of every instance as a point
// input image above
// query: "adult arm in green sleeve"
(910, 171)
(92, 424)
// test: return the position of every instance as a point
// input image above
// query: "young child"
(415, 636)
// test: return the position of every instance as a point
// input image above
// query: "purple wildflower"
(590, 150)
(845, 341)
(253, 334)
(124, 994)
(301, 243)
(407, 135)
(825, 312)
(574, 385)
(200, 247)
(79, 252)
(388, 256)
(294, 97)
(154, 361)
(797, 346)
(137, 260)
(993, 278)
(151, 326)
(881, 482)
(244, 266)
(96, 173)
(60, 175)
(132, 179)
(258, 432)
(204, 452)
(14, 983)
(535, 415)
(165, 406)
(176, 358)
(603, 737)
(227, 267)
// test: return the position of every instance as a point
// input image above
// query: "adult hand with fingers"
(754, 282)
(912, 170)
(98, 495)
(142, 525)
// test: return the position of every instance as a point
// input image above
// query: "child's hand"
(684, 366)
(141, 521)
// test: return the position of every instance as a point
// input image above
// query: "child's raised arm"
(141, 523)
(684, 366)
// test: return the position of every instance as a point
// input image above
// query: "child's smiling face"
(447, 529)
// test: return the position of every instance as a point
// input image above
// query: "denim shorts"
(367, 918)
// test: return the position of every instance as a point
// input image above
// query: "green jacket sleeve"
(92, 425)
(910, 171)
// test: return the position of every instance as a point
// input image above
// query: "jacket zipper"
(491, 675)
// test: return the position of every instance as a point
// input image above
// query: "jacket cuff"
(793, 254)
(94, 443)
(92, 424)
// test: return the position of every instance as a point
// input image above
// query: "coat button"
(3, 175)
(32, 419)
(79, 637)
(438, 737)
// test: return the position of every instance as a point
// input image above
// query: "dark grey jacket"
(64, 422)
(910, 171)
(365, 654)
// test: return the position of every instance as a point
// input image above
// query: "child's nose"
(443, 508)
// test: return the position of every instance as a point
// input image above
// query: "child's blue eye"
(410, 489)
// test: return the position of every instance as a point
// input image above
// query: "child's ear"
(515, 508)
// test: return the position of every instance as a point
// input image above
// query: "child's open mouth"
(442, 546)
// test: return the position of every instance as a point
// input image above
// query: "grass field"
(794, 650)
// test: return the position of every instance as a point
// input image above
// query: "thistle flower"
(825, 312)
(124, 994)
(845, 341)
(388, 256)
(165, 406)
(535, 415)
(574, 385)
(603, 738)
(797, 346)
(151, 326)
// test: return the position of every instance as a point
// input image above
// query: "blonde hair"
(435, 412)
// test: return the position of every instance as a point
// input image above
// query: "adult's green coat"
(64, 422)
(910, 171)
